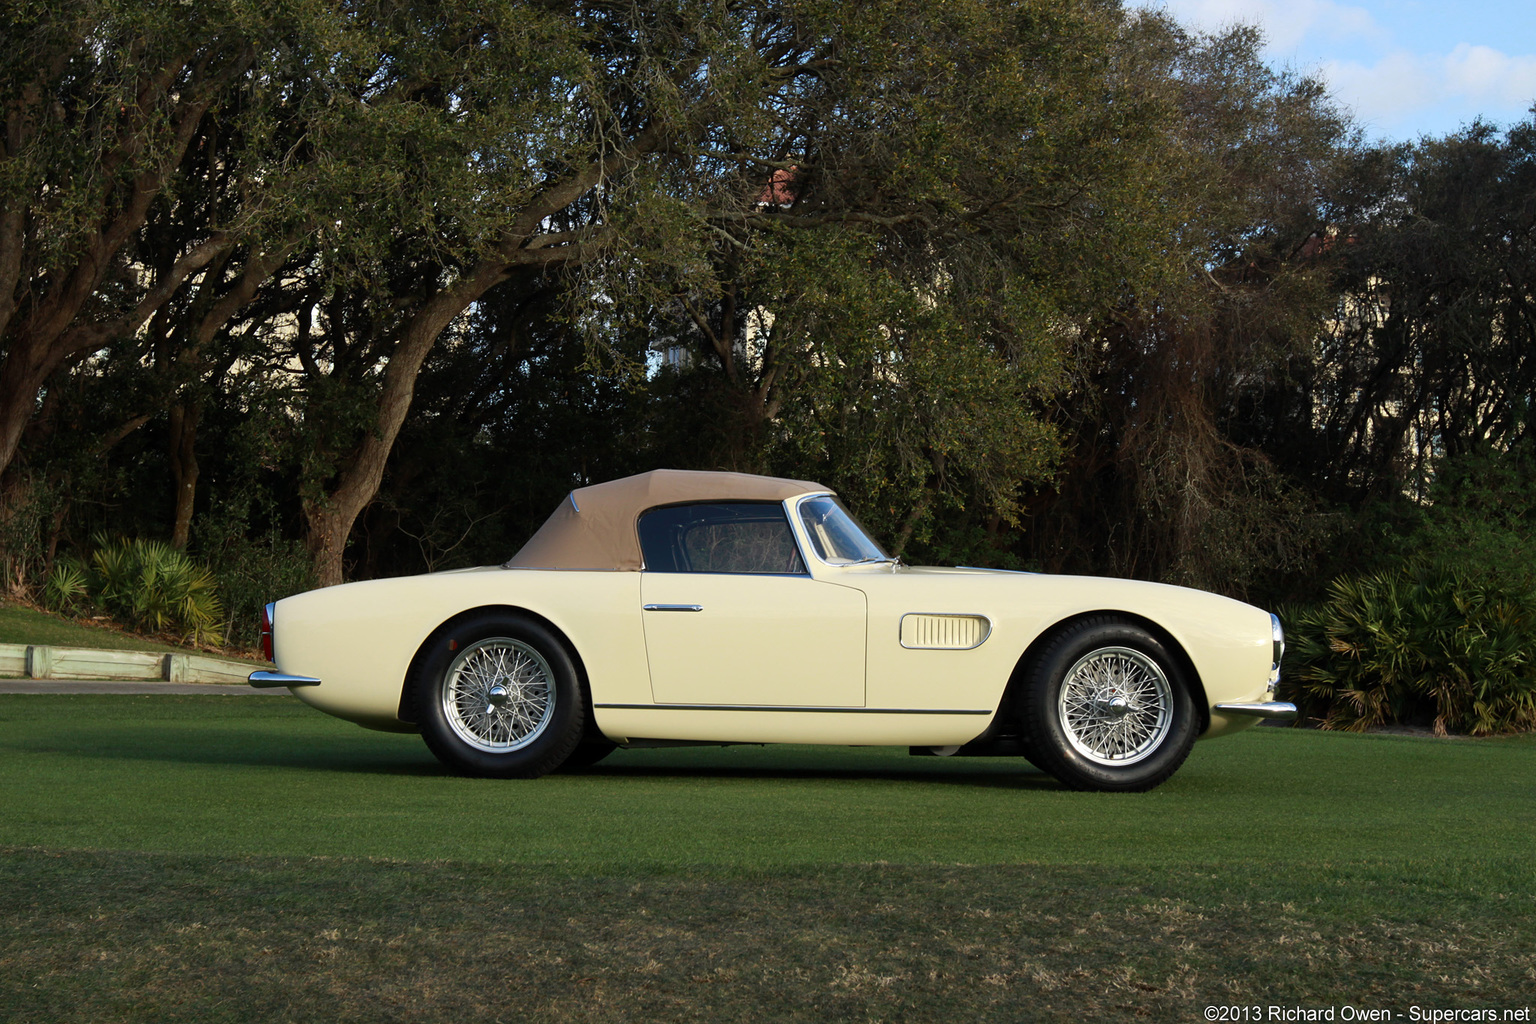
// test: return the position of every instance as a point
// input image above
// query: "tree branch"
(759, 218)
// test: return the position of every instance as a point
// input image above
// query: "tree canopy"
(1042, 283)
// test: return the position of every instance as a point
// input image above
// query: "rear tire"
(1106, 706)
(497, 696)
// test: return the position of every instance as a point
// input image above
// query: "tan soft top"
(594, 527)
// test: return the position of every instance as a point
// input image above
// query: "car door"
(732, 618)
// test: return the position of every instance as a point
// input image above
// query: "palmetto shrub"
(1419, 645)
(67, 589)
(155, 587)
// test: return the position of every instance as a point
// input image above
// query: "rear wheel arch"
(406, 711)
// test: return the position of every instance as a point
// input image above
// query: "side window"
(735, 537)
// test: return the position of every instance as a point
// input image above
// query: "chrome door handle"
(674, 607)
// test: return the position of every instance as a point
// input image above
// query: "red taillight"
(266, 631)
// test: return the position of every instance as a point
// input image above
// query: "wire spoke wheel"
(1116, 706)
(499, 695)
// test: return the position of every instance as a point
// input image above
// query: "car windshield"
(836, 535)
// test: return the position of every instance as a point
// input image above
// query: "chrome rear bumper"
(272, 680)
(1279, 710)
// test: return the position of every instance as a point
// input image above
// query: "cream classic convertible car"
(685, 607)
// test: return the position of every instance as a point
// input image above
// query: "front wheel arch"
(1008, 711)
(1106, 706)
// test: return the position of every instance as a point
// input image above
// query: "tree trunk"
(60, 516)
(328, 530)
(184, 468)
(12, 572)
(22, 374)
(329, 519)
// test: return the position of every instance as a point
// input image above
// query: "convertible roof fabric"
(594, 527)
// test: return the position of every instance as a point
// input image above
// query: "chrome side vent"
(926, 631)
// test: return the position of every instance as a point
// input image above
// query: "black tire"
(1106, 706)
(497, 696)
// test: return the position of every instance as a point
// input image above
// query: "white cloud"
(1404, 67)
(1393, 87)
(1485, 75)
(1285, 22)
(1472, 78)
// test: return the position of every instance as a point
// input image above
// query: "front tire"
(497, 696)
(1108, 707)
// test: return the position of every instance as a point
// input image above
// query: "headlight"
(1278, 652)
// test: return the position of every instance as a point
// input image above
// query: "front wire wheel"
(1116, 706)
(1107, 706)
(498, 696)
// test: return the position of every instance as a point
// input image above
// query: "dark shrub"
(1421, 645)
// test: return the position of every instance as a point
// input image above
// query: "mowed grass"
(246, 858)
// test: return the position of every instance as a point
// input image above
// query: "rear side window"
(723, 537)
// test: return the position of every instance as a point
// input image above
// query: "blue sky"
(1406, 68)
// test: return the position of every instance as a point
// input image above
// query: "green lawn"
(246, 858)
(22, 625)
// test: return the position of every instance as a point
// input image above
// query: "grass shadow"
(1006, 773)
(251, 748)
(405, 756)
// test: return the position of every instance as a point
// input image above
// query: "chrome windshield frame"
(809, 548)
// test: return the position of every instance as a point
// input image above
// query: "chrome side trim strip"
(564, 568)
(1277, 709)
(272, 680)
(674, 607)
(794, 710)
(987, 568)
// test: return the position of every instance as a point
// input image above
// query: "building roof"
(595, 527)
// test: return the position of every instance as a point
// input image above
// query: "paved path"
(108, 686)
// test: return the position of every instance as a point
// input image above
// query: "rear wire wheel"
(1107, 706)
(497, 696)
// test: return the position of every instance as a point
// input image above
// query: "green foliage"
(30, 509)
(1417, 646)
(1477, 517)
(1052, 284)
(896, 396)
(250, 572)
(250, 560)
(1428, 356)
(1481, 515)
(152, 586)
(1168, 470)
(945, 209)
(68, 587)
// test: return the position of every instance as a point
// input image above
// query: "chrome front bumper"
(273, 680)
(1282, 711)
